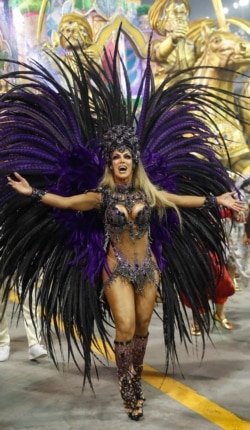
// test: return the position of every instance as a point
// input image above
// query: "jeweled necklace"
(124, 188)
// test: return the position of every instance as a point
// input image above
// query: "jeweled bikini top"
(125, 209)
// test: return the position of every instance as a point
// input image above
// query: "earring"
(111, 168)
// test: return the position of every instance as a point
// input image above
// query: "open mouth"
(122, 169)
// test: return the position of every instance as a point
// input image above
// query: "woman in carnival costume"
(109, 205)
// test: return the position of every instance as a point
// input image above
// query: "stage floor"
(214, 393)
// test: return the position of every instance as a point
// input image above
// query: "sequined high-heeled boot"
(123, 355)
(139, 349)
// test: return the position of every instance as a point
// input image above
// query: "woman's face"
(122, 166)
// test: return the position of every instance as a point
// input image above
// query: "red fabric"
(224, 284)
(224, 287)
(225, 213)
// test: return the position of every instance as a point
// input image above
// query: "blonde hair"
(141, 182)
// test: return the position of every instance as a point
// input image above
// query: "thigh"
(145, 303)
(120, 296)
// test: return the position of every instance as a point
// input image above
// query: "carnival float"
(205, 48)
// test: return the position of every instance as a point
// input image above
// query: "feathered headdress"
(121, 137)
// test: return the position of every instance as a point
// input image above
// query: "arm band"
(37, 194)
(209, 203)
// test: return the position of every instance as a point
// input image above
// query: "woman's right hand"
(20, 185)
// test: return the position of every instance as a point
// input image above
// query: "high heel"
(223, 322)
(136, 414)
(137, 385)
(139, 348)
(127, 395)
(195, 330)
(123, 354)
(132, 407)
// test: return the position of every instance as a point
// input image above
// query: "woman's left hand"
(230, 202)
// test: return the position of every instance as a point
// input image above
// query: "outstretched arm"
(81, 202)
(225, 199)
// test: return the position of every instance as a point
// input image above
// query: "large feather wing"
(47, 135)
(178, 154)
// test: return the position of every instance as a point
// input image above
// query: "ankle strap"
(124, 343)
(141, 337)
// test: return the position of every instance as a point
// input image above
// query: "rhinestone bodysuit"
(127, 210)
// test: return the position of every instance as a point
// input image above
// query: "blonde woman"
(110, 203)
(130, 274)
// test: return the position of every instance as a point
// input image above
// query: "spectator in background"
(32, 328)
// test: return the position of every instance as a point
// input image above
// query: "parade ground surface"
(213, 394)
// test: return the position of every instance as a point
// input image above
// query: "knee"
(125, 330)
(142, 326)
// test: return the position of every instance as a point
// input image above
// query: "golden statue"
(172, 51)
(74, 31)
(218, 55)
(74, 35)
(224, 55)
